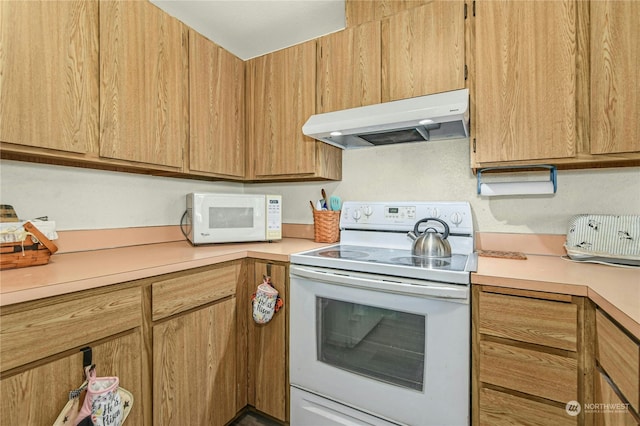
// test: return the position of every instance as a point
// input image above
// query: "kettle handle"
(429, 219)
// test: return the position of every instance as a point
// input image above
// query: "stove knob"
(435, 213)
(368, 211)
(456, 218)
(357, 214)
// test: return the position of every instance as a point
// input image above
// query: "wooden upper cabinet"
(49, 74)
(525, 83)
(615, 61)
(349, 68)
(281, 95)
(216, 113)
(423, 51)
(143, 84)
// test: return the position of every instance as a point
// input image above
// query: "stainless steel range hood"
(432, 117)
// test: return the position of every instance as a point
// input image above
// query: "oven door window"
(382, 344)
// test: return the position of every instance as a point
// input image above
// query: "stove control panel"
(398, 212)
(402, 216)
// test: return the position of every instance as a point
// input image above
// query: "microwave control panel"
(274, 217)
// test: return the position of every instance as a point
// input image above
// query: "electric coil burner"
(377, 334)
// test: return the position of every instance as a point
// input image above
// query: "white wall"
(439, 171)
(434, 171)
(93, 199)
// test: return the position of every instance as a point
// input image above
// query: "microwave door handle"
(426, 289)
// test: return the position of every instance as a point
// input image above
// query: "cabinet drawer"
(542, 322)
(619, 356)
(498, 408)
(614, 411)
(193, 289)
(47, 330)
(537, 373)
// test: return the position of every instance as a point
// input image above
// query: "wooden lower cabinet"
(41, 358)
(611, 409)
(617, 353)
(530, 359)
(194, 337)
(194, 367)
(268, 366)
(184, 344)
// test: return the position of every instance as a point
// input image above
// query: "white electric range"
(379, 336)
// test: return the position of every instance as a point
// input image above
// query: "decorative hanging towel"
(105, 403)
(266, 301)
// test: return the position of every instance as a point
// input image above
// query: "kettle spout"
(412, 235)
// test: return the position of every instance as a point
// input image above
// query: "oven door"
(391, 347)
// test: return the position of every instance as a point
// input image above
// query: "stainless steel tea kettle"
(430, 243)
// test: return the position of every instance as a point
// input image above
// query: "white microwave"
(227, 218)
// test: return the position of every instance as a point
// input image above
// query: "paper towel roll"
(516, 188)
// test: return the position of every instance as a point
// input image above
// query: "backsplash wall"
(79, 198)
(434, 171)
(439, 171)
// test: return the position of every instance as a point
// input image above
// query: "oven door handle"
(427, 289)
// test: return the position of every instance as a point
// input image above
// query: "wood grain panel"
(619, 356)
(360, 11)
(536, 321)
(423, 51)
(143, 77)
(498, 409)
(65, 325)
(38, 394)
(615, 62)
(349, 68)
(49, 74)
(216, 114)
(243, 316)
(613, 412)
(281, 88)
(194, 367)
(193, 289)
(268, 344)
(536, 373)
(525, 80)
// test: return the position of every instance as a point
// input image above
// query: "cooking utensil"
(430, 243)
(335, 203)
(312, 206)
(326, 200)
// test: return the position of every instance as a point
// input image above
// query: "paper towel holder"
(528, 188)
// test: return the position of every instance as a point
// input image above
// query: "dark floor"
(251, 418)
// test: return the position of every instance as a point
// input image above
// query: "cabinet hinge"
(474, 145)
(465, 11)
(466, 72)
(474, 7)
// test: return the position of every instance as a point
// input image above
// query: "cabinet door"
(37, 395)
(349, 68)
(281, 97)
(615, 60)
(617, 412)
(525, 90)
(268, 360)
(194, 367)
(49, 74)
(423, 50)
(216, 113)
(143, 78)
